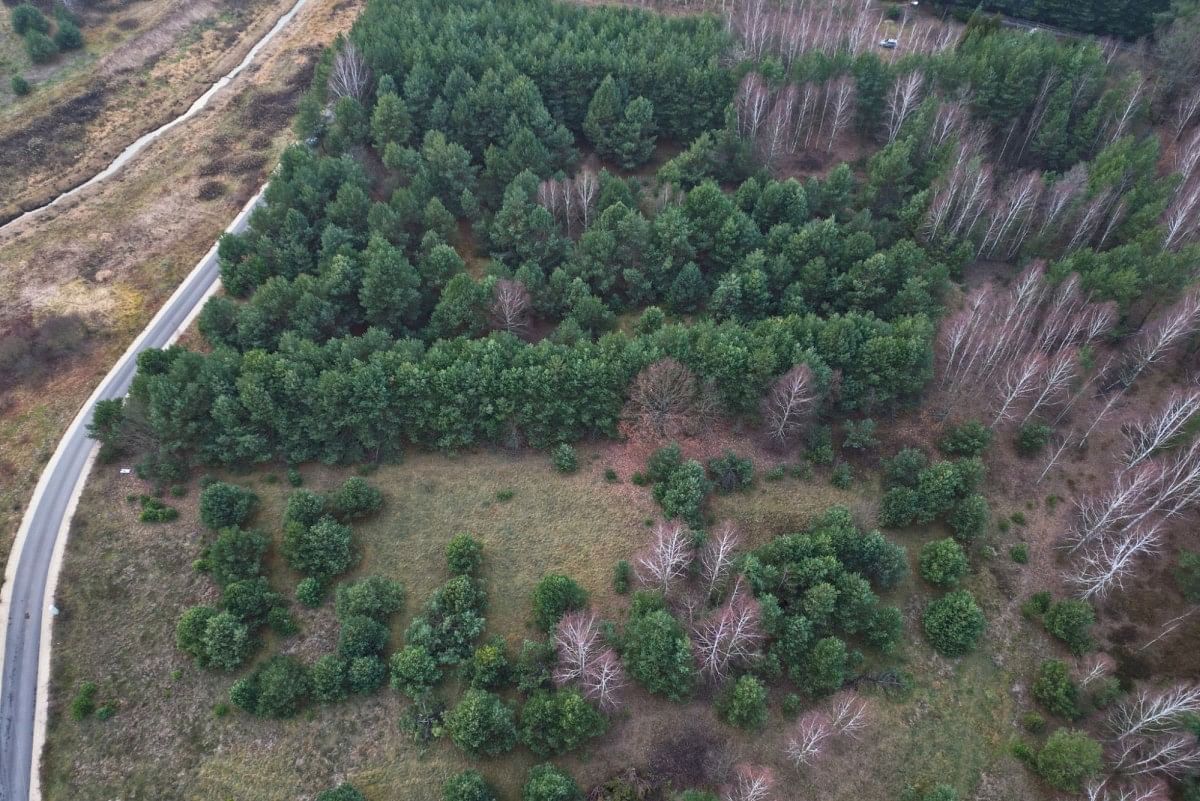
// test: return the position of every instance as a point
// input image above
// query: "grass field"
(125, 583)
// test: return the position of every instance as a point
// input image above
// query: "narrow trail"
(146, 139)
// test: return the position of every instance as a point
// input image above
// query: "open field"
(99, 266)
(125, 582)
(142, 65)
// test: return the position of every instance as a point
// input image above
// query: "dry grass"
(125, 583)
(117, 251)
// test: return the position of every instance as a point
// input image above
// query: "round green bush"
(226, 641)
(362, 636)
(954, 623)
(565, 459)
(464, 554)
(320, 551)
(1054, 689)
(375, 597)
(328, 677)
(310, 592)
(223, 505)
(968, 517)
(343, 792)
(355, 498)
(366, 674)
(482, 724)
(1069, 759)
(27, 17)
(20, 86)
(744, 703)
(969, 439)
(553, 597)
(558, 722)
(68, 36)
(467, 786)
(1071, 621)
(414, 671)
(549, 783)
(236, 554)
(1032, 437)
(943, 563)
(658, 654)
(190, 630)
(488, 667)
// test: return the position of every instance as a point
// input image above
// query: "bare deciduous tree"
(730, 636)
(665, 560)
(1145, 436)
(750, 783)
(604, 680)
(717, 556)
(1105, 563)
(848, 714)
(349, 75)
(790, 404)
(510, 306)
(577, 642)
(1147, 712)
(903, 101)
(666, 400)
(809, 739)
(1095, 667)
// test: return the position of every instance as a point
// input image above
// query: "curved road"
(37, 553)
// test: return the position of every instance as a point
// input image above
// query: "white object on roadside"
(126, 471)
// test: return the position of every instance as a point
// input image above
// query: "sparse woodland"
(535, 225)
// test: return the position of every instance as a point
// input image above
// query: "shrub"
(68, 35)
(1069, 759)
(467, 786)
(549, 783)
(226, 641)
(622, 577)
(155, 511)
(968, 439)
(564, 459)
(276, 689)
(375, 597)
(464, 554)
(903, 468)
(823, 669)
(236, 554)
(27, 17)
(744, 703)
(553, 597)
(250, 600)
(558, 722)
(20, 86)
(354, 499)
(730, 472)
(1036, 605)
(1054, 689)
(683, 493)
(321, 551)
(1019, 553)
(366, 674)
(294, 478)
(663, 462)
(860, 436)
(310, 592)
(343, 792)
(481, 724)
(304, 507)
(1071, 622)
(899, 508)
(819, 445)
(223, 505)
(329, 679)
(611, 476)
(190, 631)
(105, 712)
(953, 623)
(451, 621)
(84, 702)
(1032, 437)
(488, 666)
(968, 518)
(790, 705)
(1033, 722)
(534, 666)
(362, 636)
(414, 671)
(943, 563)
(1187, 575)
(842, 476)
(659, 655)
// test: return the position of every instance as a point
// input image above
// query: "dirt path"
(150, 66)
(81, 280)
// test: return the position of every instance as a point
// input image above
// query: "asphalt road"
(47, 519)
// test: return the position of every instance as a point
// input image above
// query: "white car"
(890, 44)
